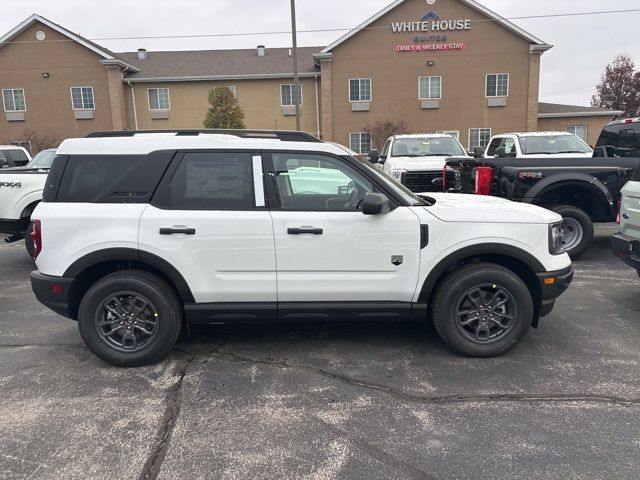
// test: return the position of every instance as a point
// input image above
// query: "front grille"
(423, 181)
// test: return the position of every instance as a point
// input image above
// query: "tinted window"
(18, 156)
(86, 177)
(495, 143)
(3, 160)
(621, 140)
(318, 183)
(213, 181)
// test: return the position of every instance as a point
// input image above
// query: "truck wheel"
(28, 243)
(482, 310)
(130, 318)
(578, 230)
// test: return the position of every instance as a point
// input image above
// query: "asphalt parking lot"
(355, 401)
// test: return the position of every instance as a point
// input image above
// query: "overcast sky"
(583, 45)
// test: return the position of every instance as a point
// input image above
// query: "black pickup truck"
(582, 190)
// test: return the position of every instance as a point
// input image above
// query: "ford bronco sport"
(139, 234)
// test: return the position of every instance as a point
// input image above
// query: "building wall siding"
(49, 110)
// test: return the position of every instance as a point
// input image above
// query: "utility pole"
(296, 80)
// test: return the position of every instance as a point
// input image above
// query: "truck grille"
(423, 181)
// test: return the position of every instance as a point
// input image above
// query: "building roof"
(558, 110)
(537, 44)
(108, 57)
(220, 64)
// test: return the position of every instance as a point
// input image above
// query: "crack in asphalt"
(173, 401)
(408, 469)
(443, 399)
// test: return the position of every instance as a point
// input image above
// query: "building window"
(479, 137)
(453, 133)
(429, 88)
(26, 144)
(580, 131)
(360, 142)
(13, 99)
(360, 90)
(286, 94)
(82, 98)
(230, 87)
(497, 85)
(159, 99)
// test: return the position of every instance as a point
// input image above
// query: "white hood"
(412, 164)
(457, 207)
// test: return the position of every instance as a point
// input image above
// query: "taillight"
(36, 238)
(484, 177)
(618, 216)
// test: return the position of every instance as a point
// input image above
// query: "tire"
(478, 338)
(579, 228)
(130, 319)
(28, 243)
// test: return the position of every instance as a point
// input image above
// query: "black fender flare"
(132, 254)
(498, 249)
(582, 180)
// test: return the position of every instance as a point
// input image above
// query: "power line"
(327, 30)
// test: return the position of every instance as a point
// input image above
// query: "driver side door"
(327, 250)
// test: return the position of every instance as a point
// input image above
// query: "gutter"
(605, 113)
(220, 77)
(133, 101)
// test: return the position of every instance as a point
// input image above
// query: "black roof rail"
(283, 135)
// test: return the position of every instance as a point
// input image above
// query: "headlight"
(396, 173)
(556, 235)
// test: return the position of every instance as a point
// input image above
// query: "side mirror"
(600, 151)
(374, 156)
(375, 204)
(478, 152)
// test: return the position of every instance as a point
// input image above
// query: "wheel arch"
(88, 269)
(598, 204)
(520, 262)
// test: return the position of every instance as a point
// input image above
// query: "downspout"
(317, 106)
(133, 100)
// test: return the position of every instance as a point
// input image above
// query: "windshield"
(426, 147)
(407, 195)
(42, 160)
(553, 144)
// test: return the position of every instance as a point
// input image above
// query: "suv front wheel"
(130, 318)
(482, 310)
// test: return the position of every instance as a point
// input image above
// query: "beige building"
(436, 66)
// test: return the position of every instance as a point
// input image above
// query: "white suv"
(138, 235)
(418, 160)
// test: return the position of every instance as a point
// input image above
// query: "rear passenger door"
(208, 219)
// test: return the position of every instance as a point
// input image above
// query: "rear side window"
(495, 143)
(621, 140)
(18, 156)
(211, 181)
(110, 178)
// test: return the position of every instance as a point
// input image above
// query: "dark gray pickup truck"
(582, 190)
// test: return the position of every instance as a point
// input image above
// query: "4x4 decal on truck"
(11, 184)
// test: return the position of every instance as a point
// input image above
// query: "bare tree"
(382, 130)
(619, 88)
(38, 142)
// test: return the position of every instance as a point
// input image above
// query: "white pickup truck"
(20, 191)
(535, 144)
(417, 161)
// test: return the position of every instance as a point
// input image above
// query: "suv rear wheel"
(130, 318)
(482, 310)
